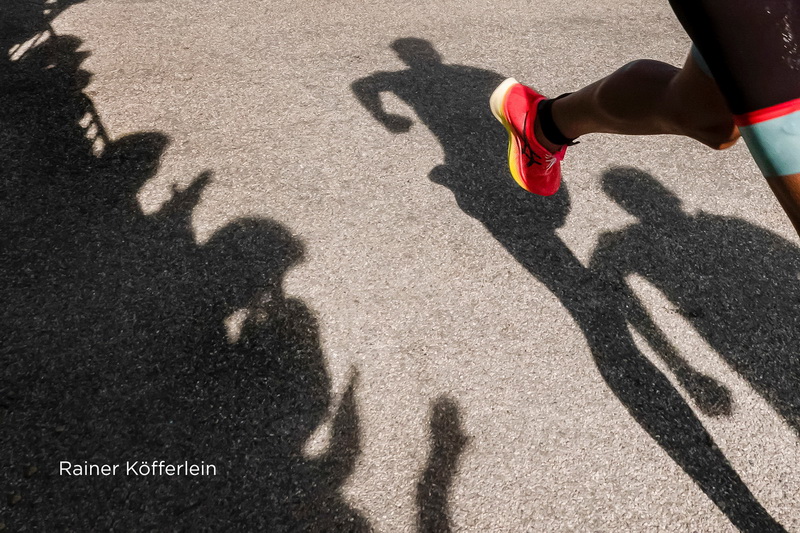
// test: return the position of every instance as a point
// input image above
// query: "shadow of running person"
(452, 100)
(127, 342)
(433, 489)
(738, 284)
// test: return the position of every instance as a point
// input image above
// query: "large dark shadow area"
(114, 338)
(738, 284)
(452, 100)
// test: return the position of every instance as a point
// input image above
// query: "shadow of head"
(640, 194)
(250, 257)
(137, 154)
(416, 52)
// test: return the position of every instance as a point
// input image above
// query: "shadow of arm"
(711, 397)
(345, 445)
(368, 92)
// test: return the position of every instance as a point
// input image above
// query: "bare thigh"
(698, 105)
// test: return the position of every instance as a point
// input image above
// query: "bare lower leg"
(651, 98)
(787, 191)
(648, 98)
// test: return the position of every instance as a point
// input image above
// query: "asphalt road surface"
(264, 269)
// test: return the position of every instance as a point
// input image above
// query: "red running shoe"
(535, 168)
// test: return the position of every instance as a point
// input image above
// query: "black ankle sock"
(549, 128)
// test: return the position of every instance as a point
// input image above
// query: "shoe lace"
(551, 160)
(532, 157)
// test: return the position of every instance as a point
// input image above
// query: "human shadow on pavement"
(433, 489)
(737, 284)
(23, 23)
(127, 341)
(452, 101)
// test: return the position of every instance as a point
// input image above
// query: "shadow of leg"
(655, 404)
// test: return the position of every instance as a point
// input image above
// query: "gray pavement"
(223, 246)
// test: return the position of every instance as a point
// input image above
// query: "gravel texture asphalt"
(278, 241)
